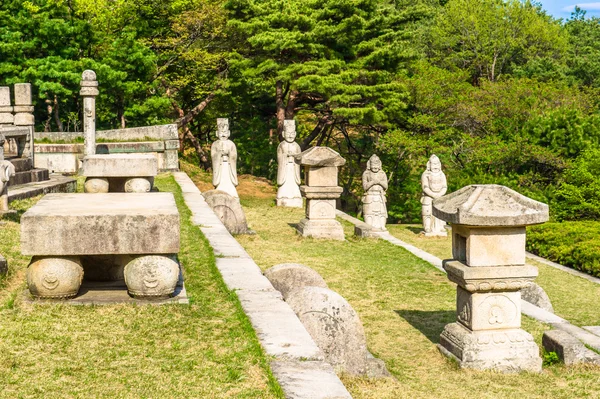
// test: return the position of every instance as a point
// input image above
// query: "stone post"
(6, 109)
(24, 117)
(321, 191)
(89, 91)
(488, 247)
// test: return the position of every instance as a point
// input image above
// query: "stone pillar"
(24, 117)
(488, 247)
(6, 109)
(89, 91)
(321, 192)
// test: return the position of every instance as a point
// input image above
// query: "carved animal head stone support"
(434, 164)
(374, 163)
(223, 128)
(7, 170)
(289, 130)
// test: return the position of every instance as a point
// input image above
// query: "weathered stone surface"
(228, 209)
(151, 276)
(308, 380)
(489, 246)
(223, 153)
(137, 185)
(23, 94)
(156, 132)
(375, 184)
(511, 350)
(489, 205)
(319, 156)
(434, 185)
(536, 295)
(327, 229)
(95, 185)
(287, 277)
(6, 118)
(483, 279)
(120, 165)
(335, 327)
(49, 277)
(568, 348)
(89, 91)
(5, 97)
(101, 224)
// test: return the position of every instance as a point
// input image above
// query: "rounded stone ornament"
(138, 185)
(152, 276)
(49, 277)
(94, 185)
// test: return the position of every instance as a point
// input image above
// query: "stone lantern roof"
(319, 156)
(489, 205)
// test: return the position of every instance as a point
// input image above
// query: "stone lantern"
(321, 192)
(488, 247)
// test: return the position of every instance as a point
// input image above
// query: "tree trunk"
(280, 114)
(49, 108)
(322, 125)
(182, 123)
(57, 116)
(184, 120)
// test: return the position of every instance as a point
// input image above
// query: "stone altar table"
(117, 173)
(73, 235)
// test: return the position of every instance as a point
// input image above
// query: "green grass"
(205, 350)
(404, 304)
(572, 297)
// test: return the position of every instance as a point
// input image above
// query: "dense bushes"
(573, 244)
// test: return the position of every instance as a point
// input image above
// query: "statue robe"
(284, 150)
(218, 150)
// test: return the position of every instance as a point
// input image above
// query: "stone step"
(21, 164)
(56, 184)
(30, 176)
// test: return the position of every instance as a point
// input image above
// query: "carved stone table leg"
(95, 185)
(138, 185)
(152, 276)
(54, 277)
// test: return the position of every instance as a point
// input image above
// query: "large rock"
(101, 224)
(568, 348)
(536, 295)
(229, 210)
(287, 277)
(336, 329)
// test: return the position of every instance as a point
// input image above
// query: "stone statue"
(224, 160)
(7, 170)
(375, 184)
(434, 186)
(288, 172)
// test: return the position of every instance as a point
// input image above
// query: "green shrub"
(573, 244)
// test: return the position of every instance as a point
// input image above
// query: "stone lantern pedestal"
(488, 247)
(321, 192)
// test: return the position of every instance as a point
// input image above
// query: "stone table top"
(489, 205)
(101, 224)
(120, 165)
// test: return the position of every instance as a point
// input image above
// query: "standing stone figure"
(434, 186)
(288, 171)
(375, 184)
(224, 160)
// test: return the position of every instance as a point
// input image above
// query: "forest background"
(501, 91)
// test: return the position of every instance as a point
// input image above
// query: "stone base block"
(508, 351)
(290, 202)
(366, 231)
(328, 229)
(568, 348)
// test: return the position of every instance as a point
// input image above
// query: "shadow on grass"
(293, 225)
(430, 323)
(415, 229)
(13, 216)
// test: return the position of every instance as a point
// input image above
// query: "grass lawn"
(205, 350)
(404, 304)
(573, 298)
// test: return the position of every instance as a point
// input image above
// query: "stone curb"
(298, 363)
(558, 266)
(527, 308)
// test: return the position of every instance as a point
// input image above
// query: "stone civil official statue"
(433, 182)
(375, 184)
(224, 160)
(288, 172)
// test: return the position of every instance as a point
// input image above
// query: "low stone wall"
(161, 141)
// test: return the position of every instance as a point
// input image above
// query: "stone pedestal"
(135, 236)
(488, 247)
(321, 192)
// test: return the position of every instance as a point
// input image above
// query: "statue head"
(434, 165)
(289, 130)
(223, 128)
(374, 163)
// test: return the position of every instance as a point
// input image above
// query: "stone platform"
(132, 173)
(56, 184)
(102, 237)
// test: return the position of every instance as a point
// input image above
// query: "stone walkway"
(527, 308)
(297, 363)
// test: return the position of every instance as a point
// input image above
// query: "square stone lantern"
(488, 247)
(321, 192)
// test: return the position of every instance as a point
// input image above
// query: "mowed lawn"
(573, 298)
(404, 304)
(203, 350)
